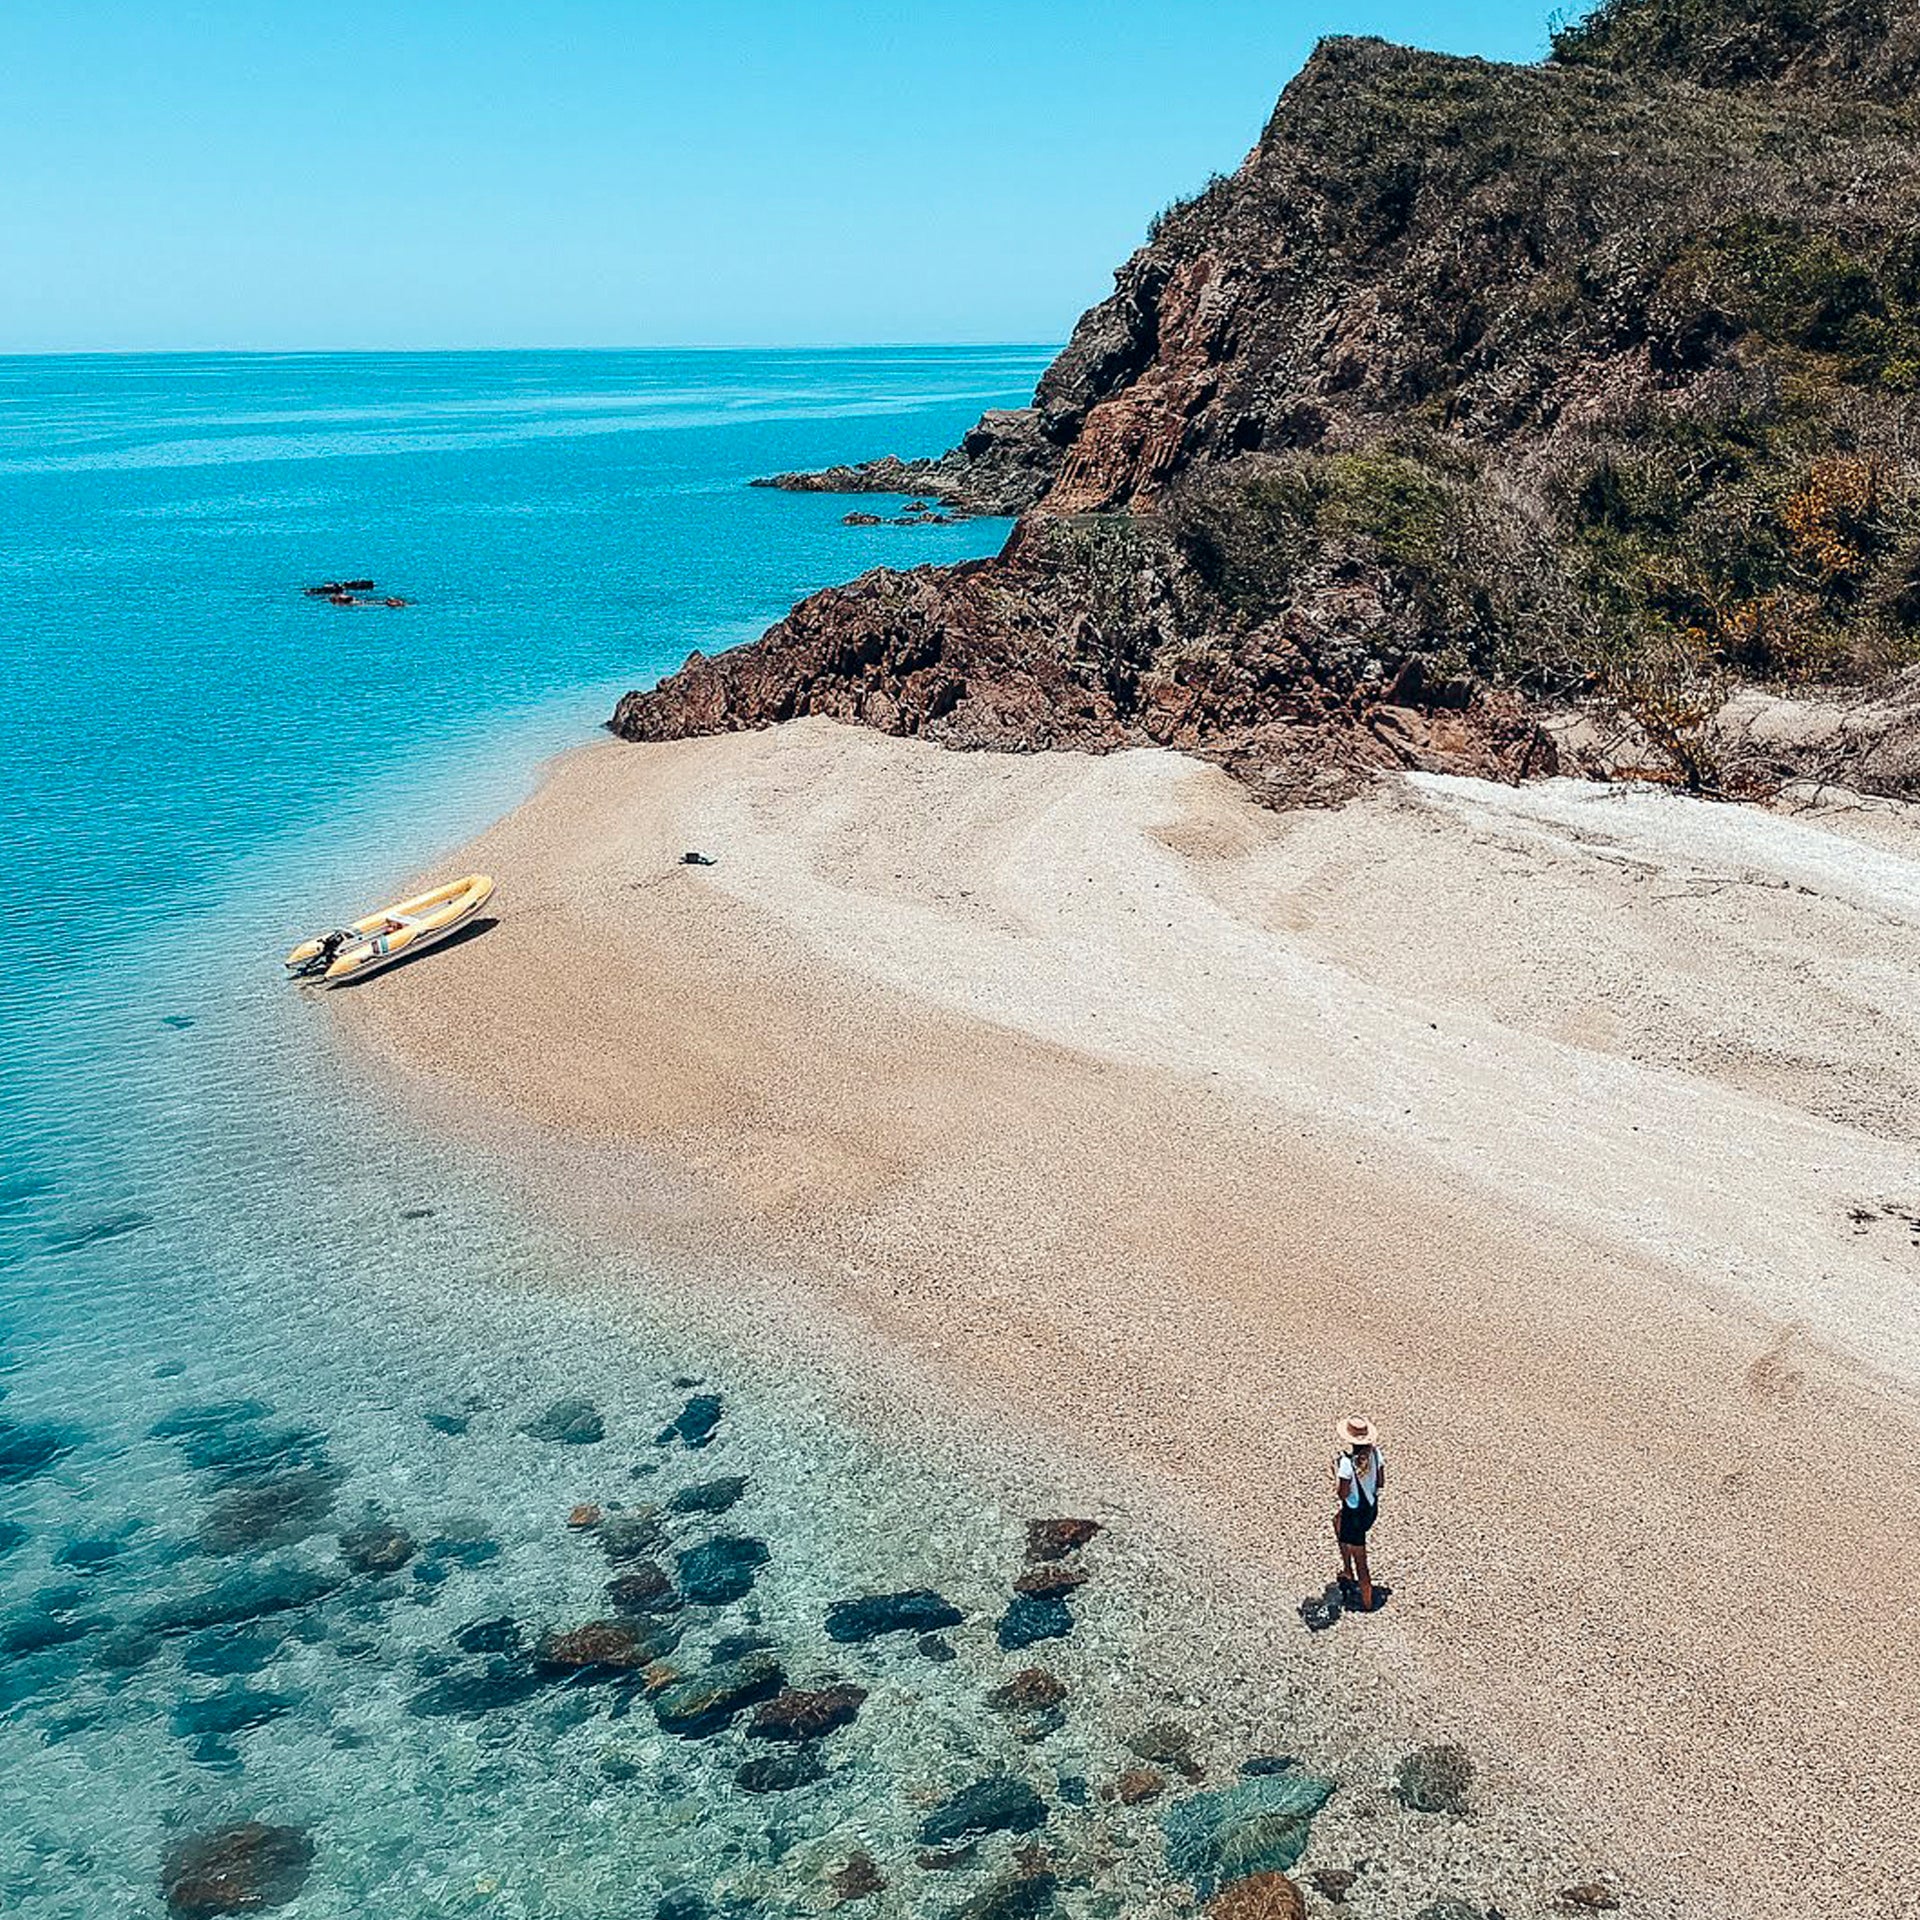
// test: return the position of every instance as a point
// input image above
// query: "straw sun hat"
(1355, 1432)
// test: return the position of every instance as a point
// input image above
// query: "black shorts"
(1351, 1524)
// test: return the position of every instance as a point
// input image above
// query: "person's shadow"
(1320, 1610)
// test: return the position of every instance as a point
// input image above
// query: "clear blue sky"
(444, 173)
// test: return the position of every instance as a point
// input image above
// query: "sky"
(292, 175)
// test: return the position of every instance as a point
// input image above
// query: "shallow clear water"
(243, 1317)
(195, 762)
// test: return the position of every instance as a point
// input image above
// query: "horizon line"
(341, 353)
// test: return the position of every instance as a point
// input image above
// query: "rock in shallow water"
(1029, 1690)
(693, 1426)
(1027, 1621)
(710, 1496)
(1260, 1896)
(643, 1588)
(378, 1548)
(1434, 1780)
(604, 1647)
(236, 1710)
(797, 1713)
(1256, 1826)
(998, 1804)
(1055, 1539)
(781, 1772)
(12, 1534)
(467, 1696)
(27, 1451)
(278, 1587)
(718, 1572)
(919, 1611)
(629, 1532)
(246, 1868)
(858, 1877)
(703, 1704)
(573, 1421)
(274, 1510)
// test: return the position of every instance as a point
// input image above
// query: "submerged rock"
(1028, 1621)
(237, 1710)
(12, 1534)
(693, 1426)
(1259, 1763)
(1590, 1898)
(1332, 1883)
(573, 1421)
(246, 1868)
(998, 1804)
(1260, 1896)
(1139, 1785)
(378, 1548)
(27, 1451)
(468, 1696)
(797, 1713)
(1024, 1894)
(718, 1572)
(709, 1496)
(1031, 1689)
(1434, 1780)
(501, 1635)
(629, 1532)
(1256, 1826)
(276, 1588)
(275, 1510)
(709, 1701)
(781, 1772)
(236, 1453)
(463, 1543)
(935, 1647)
(1166, 1743)
(1051, 1582)
(223, 1653)
(643, 1588)
(1055, 1539)
(858, 1877)
(87, 1555)
(445, 1420)
(919, 1611)
(40, 1629)
(208, 1416)
(604, 1647)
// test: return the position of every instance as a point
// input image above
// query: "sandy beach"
(1568, 1131)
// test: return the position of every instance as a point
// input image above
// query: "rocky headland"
(1487, 419)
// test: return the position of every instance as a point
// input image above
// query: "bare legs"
(1354, 1572)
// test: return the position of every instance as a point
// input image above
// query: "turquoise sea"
(294, 1408)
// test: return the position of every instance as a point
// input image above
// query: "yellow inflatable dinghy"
(393, 933)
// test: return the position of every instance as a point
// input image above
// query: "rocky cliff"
(1475, 390)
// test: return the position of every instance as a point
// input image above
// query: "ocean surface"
(295, 1410)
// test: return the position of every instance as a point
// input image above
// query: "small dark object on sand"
(393, 600)
(697, 860)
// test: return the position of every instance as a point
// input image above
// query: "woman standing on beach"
(1359, 1479)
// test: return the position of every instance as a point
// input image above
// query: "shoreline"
(864, 1058)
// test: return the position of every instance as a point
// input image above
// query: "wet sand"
(1569, 1133)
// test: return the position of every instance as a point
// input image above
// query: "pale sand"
(1535, 1123)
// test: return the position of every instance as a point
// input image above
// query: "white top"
(1352, 1485)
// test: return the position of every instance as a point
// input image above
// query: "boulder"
(1260, 1896)
(858, 1877)
(997, 1804)
(919, 1611)
(377, 1548)
(1027, 1621)
(628, 1532)
(1434, 1780)
(709, 1496)
(1166, 1743)
(1051, 1582)
(249, 1867)
(720, 1571)
(693, 1426)
(643, 1588)
(1255, 1826)
(598, 1647)
(573, 1421)
(1055, 1539)
(797, 1713)
(781, 1772)
(468, 1696)
(1030, 1690)
(706, 1702)
(275, 1510)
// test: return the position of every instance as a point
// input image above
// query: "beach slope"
(1568, 1131)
